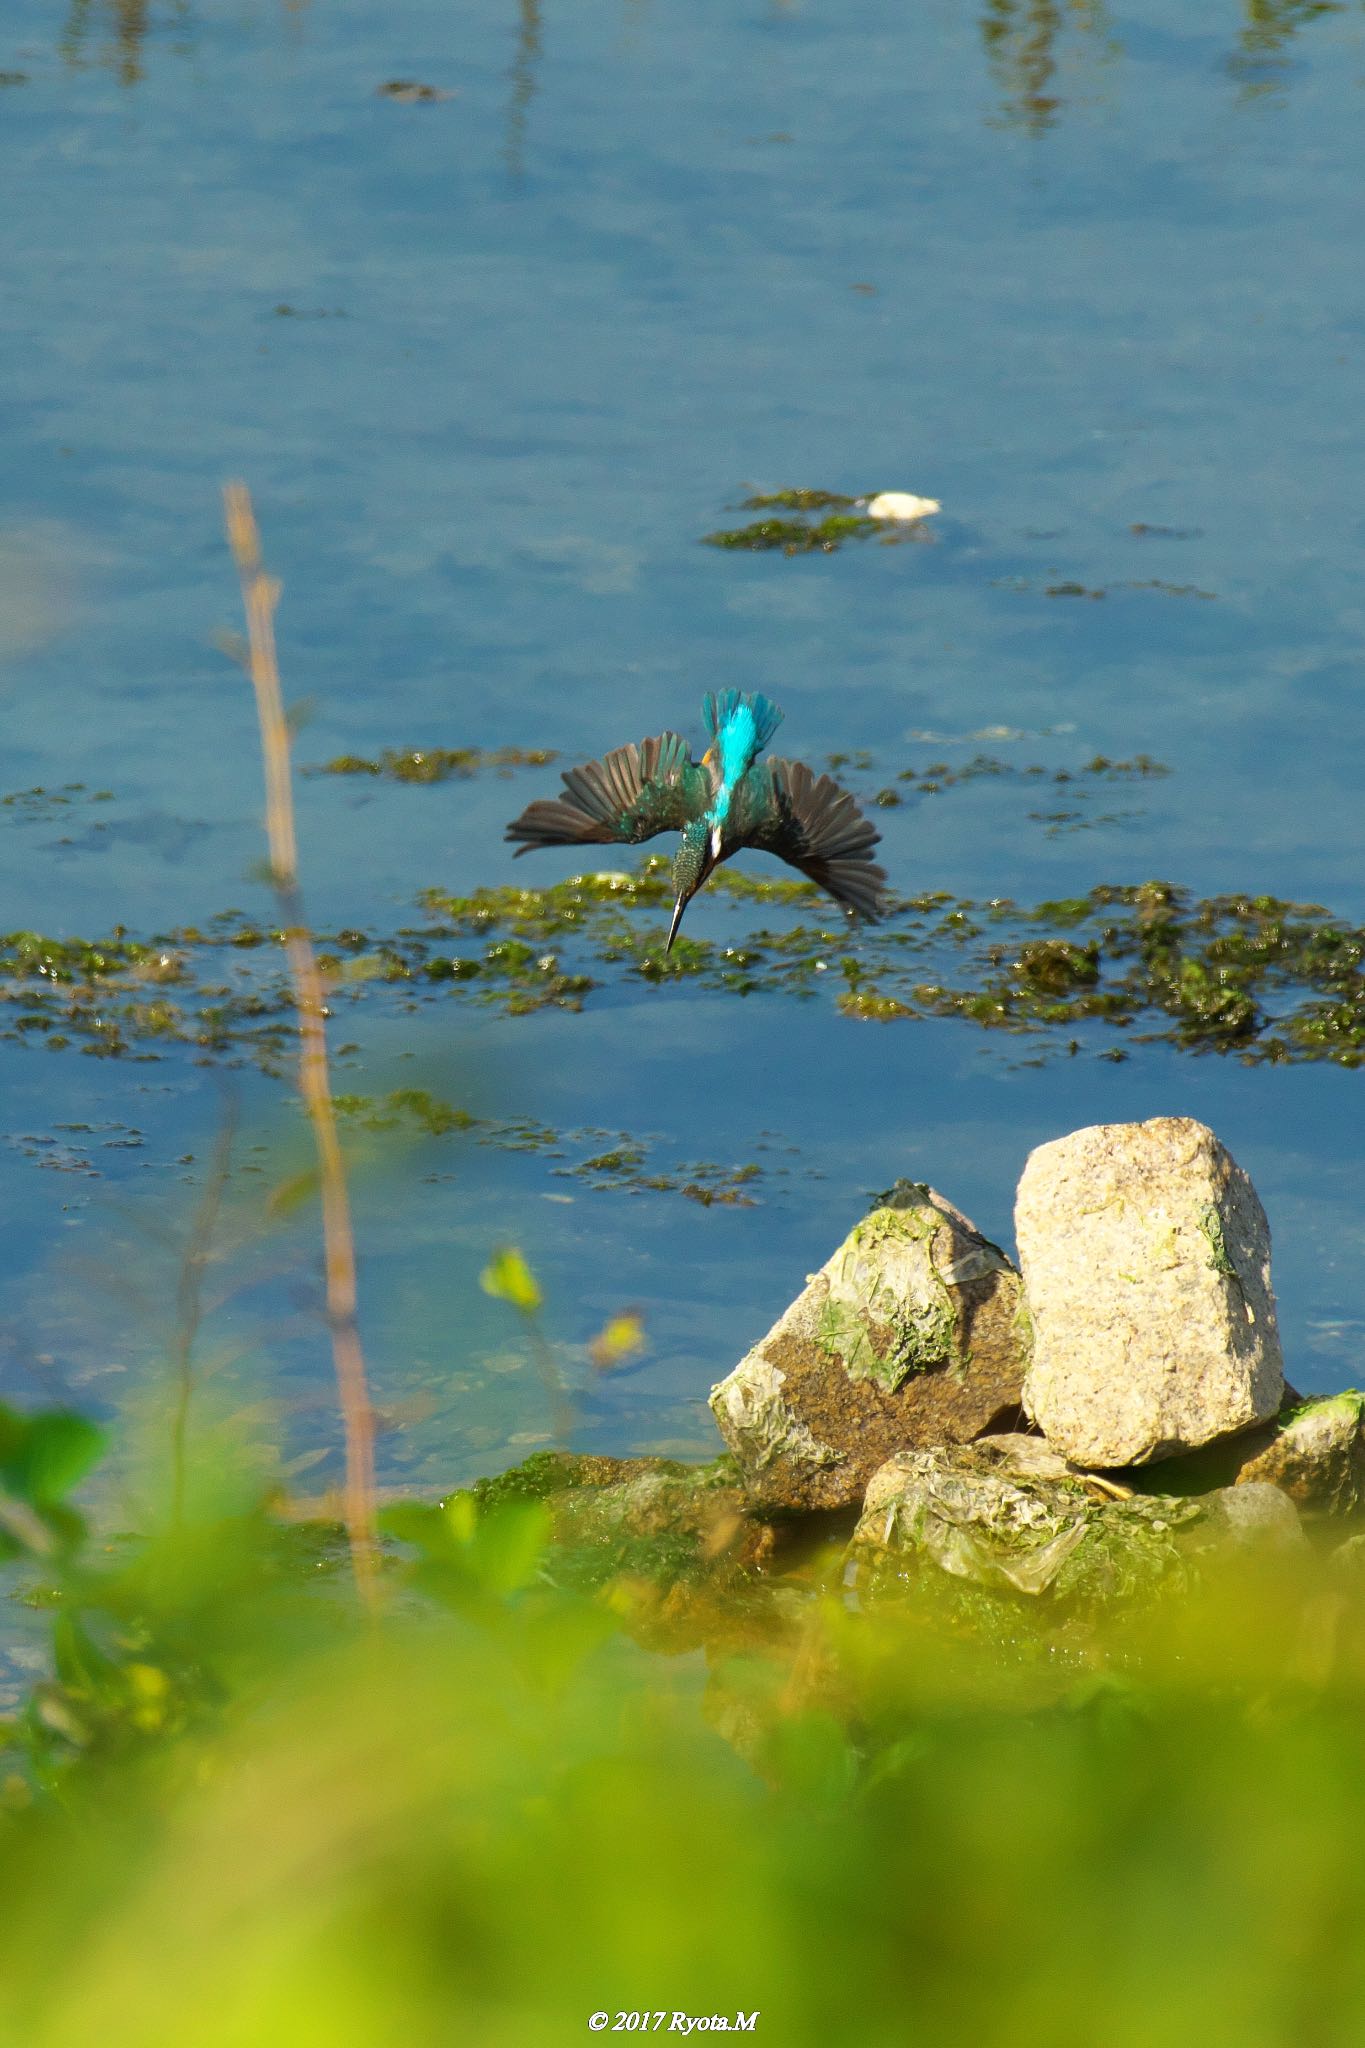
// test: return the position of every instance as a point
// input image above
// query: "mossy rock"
(1313, 1451)
(677, 1548)
(976, 1514)
(909, 1335)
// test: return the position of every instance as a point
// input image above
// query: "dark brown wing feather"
(629, 795)
(816, 826)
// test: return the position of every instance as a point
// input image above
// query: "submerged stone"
(910, 1335)
(1146, 1259)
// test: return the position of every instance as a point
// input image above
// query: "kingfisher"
(727, 800)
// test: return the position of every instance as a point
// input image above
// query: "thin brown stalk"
(260, 594)
(189, 1304)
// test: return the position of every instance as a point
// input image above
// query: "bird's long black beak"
(678, 908)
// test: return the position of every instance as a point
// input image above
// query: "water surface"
(492, 364)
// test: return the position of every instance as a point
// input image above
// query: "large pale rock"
(909, 1335)
(1146, 1260)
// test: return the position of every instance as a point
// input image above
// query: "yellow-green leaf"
(621, 1338)
(507, 1277)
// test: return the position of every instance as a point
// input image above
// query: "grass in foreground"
(243, 1810)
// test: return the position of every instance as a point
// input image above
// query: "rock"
(1214, 1465)
(1348, 1562)
(1009, 1519)
(676, 1549)
(1315, 1455)
(655, 1525)
(1030, 1456)
(909, 1335)
(1252, 1515)
(1146, 1260)
(979, 1513)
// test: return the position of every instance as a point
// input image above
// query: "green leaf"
(508, 1545)
(47, 1455)
(80, 1664)
(291, 1194)
(418, 1523)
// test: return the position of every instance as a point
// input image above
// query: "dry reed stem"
(260, 595)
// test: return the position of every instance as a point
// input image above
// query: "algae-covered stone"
(910, 1335)
(652, 1521)
(1146, 1260)
(1014, 1524)
(1315, 1454)
(675, 1549)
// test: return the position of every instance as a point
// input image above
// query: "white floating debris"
(901, 505)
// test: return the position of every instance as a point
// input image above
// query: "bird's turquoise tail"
(722, 708)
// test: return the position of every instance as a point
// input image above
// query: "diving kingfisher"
(727, 800)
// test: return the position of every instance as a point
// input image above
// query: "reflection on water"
(523, 76)
(1043, 54)
(1260, 60)
(121, 27)
(1035, 46)
(1021, 39)
(115, 32)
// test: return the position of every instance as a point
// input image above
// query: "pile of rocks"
(1082, 1425)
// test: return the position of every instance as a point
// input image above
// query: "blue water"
(544, 334)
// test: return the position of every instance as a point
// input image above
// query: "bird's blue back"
(741, 725)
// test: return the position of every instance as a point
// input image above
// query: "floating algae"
(1251, 975)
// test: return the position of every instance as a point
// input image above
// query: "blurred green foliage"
(237, 1811)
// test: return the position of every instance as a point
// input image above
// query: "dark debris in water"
(42, 802)
(1022, 585)
(627, 1165)
(623, 1160)
(1081, 785)
(940, 775)
(1252, 975)
(411, 92)
(284, 311)
(796, 536)
(437, 764)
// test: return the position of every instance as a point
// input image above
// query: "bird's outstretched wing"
(628, 796)
(782, 808)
